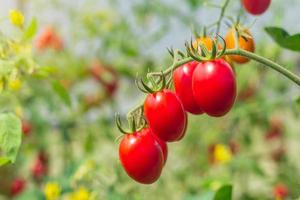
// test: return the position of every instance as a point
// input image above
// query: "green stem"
(290, 75)
(222, 15)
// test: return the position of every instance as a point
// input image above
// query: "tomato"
(40, 166)
(208, 44)
(245, 43)
(214, 87)
(49, 39)
(165, 115)
(182, 78)
(26, 127)
(163, 146)
(256, 7)
(141, 156)
(280, 191)
(17, 186)
(106, 76)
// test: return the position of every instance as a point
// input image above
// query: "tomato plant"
(64, 77)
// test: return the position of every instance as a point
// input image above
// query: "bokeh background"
(74, 139)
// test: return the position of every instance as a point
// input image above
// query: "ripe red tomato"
(165, 115)
(163, 146)
(182, 78)
(256, 7)
(17, 186)
(141, 156)
(214, 87)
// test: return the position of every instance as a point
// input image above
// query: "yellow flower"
(222, 154)
(16, 18)
(15, 84)
(52, 191)
(81, 194)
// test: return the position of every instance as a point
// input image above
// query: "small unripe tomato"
(214, 87)
(256, 7)
(141, 156)
(245, 42)
(165, 115)
(182, 78)
(206, 41)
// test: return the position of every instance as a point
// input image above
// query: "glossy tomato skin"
(141, 156)
(182, 78)
(164, 148)
(256, 7)
(244, 43)
(165, 115)
(214, 87)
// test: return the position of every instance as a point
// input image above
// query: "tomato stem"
(269, 63)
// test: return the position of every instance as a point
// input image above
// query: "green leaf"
(31, 30)
(284, 39)
(298, 100)
(61, 92)
(224, 193)
(10, 137)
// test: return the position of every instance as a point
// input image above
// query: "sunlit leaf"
(31, 30)
(224, 193)
(284, 39)
(61, 92)
(10, 137)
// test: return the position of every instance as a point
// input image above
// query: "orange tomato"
(208, 42)
(245, 43)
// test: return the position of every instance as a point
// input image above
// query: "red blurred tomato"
(280, 191)
(40, 166)
(17, 186)
(26, 127)
(182, 78)
(141, 156)
(256, 7)
(106, 76)
(214, 87)
(49, 39)
(165, 115)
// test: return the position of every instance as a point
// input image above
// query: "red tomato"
(17, 186)
(141, 156)
(182, 78)
(280, 191)
(106, 76)
(49, 39)
(26, 127)
(40, 166)
(256, 7)
(214, 87)
(163, 146)
(165, 115)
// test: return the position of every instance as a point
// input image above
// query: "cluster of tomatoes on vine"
(200, 87)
